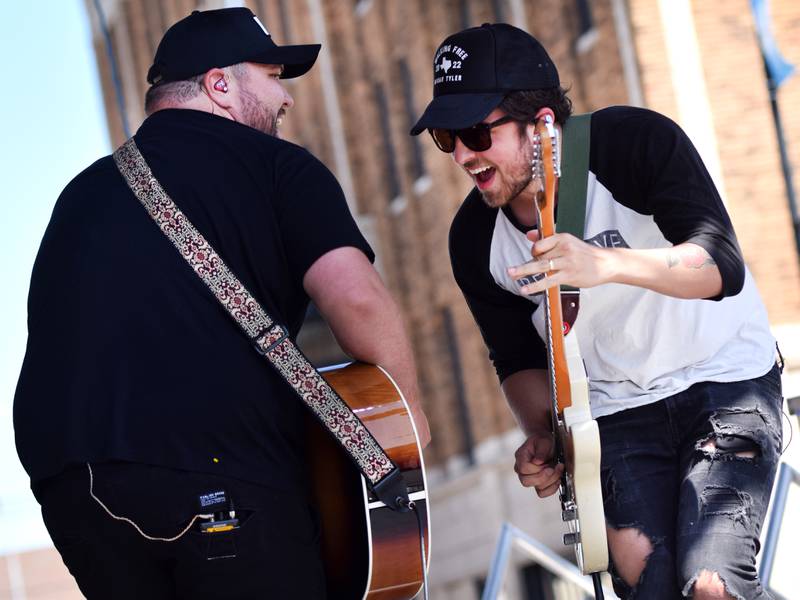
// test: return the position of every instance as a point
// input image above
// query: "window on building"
(537, 583)
(390, 156)
(415, 145)
(286, 24)
(463, 416)
(317, 342)
(499, 7)
(465, 14)
(587, 32)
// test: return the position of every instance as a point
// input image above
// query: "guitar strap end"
(393, 492)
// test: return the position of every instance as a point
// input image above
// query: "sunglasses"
(477, 138)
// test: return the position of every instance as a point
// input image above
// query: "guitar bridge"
(570, 539)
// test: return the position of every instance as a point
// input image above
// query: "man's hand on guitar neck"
(533, 464)
(683, 271)
(528, 395)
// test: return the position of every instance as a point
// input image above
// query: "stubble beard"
(257, 115)
(517, 178)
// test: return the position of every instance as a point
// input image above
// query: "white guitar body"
(591, 546)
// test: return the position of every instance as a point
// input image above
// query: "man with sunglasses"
(680, 360)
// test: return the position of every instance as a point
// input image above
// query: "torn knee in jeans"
(738, 434)
(721, 500)
(630, 550)
(729, 446)
(708, 585)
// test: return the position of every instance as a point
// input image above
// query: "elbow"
(732, 279)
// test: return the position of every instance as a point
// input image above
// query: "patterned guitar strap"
(270, 339)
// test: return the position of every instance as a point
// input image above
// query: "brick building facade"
(697, 62)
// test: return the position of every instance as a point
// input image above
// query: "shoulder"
(628, 128)
(471, 234)
(298, 164)
(99, 173)
(630, 118)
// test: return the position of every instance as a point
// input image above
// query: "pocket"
(223, 544)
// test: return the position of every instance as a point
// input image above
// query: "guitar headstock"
(546, 161)
(546, 139)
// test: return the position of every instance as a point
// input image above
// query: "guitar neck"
(545, 208)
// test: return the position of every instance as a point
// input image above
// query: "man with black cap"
(169, 459)
(681, 364)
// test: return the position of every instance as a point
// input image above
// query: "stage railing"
(787, 475)
(513, 537)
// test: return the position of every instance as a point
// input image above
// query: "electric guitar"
(577, 437)
(369, 550)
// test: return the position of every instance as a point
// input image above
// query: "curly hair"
(522, 105)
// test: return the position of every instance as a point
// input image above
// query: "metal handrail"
(786, 476)
(509, 534)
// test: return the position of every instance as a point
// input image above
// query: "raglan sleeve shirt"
(504, 319)
(651, 166)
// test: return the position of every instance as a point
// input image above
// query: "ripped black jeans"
(694, 473)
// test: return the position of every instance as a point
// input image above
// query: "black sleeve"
(312, 211)
(504, 319)
(670, 183)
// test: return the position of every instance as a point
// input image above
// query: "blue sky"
(53, 125)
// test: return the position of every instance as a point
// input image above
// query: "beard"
(258, 115)
(516, 177)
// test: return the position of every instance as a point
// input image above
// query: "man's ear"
(217, 85)
(541, 113)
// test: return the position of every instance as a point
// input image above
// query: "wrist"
(610, 268)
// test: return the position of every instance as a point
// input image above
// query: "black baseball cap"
(220, 38)
(474, 69)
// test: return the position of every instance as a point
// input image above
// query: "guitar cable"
(411, 505)
(132, 523)
(598, 586)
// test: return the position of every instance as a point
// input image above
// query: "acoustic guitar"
(369, 550)
(577, 436)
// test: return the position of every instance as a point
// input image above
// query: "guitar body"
(369, 551)
(576, 433)
(580, 438)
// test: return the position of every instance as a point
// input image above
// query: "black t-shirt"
(647, 188)
(129, 356)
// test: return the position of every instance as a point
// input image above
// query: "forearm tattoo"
(691, 258)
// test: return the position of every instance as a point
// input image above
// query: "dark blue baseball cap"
(474, 69)
(220, 38)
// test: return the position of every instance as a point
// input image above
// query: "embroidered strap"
(270, 339)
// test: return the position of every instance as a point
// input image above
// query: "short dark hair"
(173, 91)
(522, 105)
(183, 90)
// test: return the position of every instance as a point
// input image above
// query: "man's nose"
(288, 101)
(462, 154)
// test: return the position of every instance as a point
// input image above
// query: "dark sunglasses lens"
(477, 138)
(444, 139)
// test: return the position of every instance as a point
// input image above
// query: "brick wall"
(744, 128)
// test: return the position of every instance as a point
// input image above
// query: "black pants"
(274, 553)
